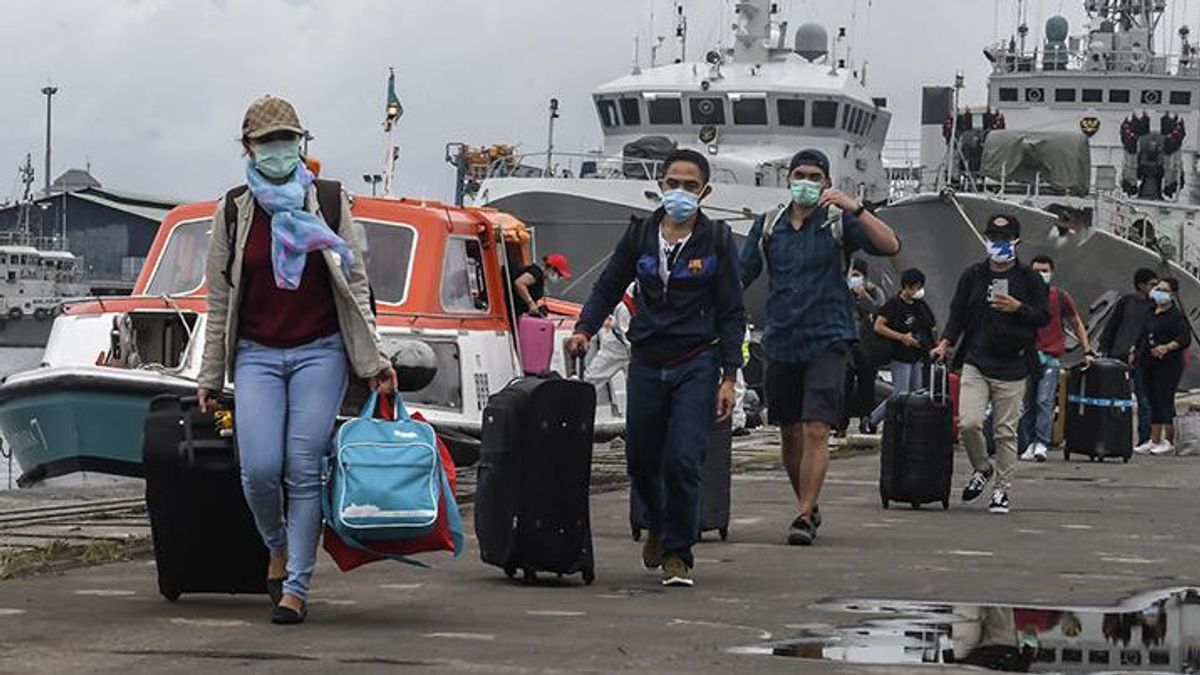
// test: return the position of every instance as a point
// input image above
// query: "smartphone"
(998, 287)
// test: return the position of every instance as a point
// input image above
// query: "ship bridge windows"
(1092, 96)
(631, 111)
(1151, 96)
(750, 109)
(608, 112)
(1118, 96)
(791, 112)
(1181, 98)
(824, 114)
(707, 110)
(1008, 94)
(664, 108)
(1064, 95)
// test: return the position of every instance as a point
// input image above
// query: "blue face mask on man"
(680, 204)
(1001, 251)
(276, 159)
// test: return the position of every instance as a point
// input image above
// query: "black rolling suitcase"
(917, 452)
(714, 495)
(1099, 411)
(205, 540)
(535, 461)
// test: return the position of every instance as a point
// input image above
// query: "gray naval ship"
(1085, 138)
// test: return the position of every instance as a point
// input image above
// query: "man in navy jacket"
(685, 339)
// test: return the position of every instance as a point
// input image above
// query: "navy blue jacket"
(701, 304)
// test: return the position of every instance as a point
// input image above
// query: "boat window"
(750, 111)
(791, 112)
(708, 110)
(445, 391)
(464, 288)
(845, 116)
(825, 114)
(3, 259)
(388, 256)
(1118, 96)
(860, 116)
(1093, 96)
(1151, 96)
(608, 112)
(1034, 95)
(665, 111)
(631, 112)
(1064, 95)
(1008, 93)
(1181, 98)
(180, 268)
(871, 124)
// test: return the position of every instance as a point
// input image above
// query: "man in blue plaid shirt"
(810, 318)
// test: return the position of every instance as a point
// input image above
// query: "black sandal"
(275, 590)
(286, 615)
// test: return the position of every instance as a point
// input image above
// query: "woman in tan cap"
(289, 321)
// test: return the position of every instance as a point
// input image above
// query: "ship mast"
(26, 173)
(753, 40)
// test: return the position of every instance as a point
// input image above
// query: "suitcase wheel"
(724, 532)
(510, 572)
(529, 577)
(946, 504)
(1125, 460)
(886, 503)
(636, 532)
(589, 576)
(1066, 455)
(915, 505)
(171, 596)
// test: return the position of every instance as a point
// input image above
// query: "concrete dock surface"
(1080, 534)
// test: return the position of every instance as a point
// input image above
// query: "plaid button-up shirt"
(809, 306)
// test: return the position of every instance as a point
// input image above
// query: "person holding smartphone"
(998, 307)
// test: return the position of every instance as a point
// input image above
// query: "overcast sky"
(152, 92)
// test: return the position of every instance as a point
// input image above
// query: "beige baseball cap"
(268, 114)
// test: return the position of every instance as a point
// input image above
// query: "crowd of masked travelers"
(292, 325)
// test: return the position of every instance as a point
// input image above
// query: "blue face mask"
(1160, 297)
(276, 159)
(806, 192)
(680, 204)
(1001, 251)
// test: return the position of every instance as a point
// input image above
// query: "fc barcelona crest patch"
(696, 265)
(1089, 126)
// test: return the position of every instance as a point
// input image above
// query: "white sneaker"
(1144, 448)
(1164, 448)
(1030, 453)
(1039, 453)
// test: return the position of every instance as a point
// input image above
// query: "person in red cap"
(529, 282)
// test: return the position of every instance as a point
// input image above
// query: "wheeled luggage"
(917, 452)
(714, 495)
(531, 500)
(204, 536)
(535, 335)
(1099, 411)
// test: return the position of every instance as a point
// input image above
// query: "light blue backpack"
(385, 479)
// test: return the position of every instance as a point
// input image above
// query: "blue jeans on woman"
(287, 404)
(906, 377)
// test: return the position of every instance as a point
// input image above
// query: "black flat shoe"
(286, 615)
(275, 590)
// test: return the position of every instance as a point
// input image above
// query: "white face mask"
(1046, 276)
(918, 294)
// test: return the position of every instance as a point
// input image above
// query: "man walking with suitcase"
(1042, 391)
(1121, 335)
(685, 337)
(810, 324)
(997, 309)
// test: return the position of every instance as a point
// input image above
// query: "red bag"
(348, 557)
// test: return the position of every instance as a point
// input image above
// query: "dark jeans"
(671, 414)
(1143, 405)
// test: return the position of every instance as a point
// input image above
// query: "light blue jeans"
(1037, 422)
(287, 403)
(906, 377)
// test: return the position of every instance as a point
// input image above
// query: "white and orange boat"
(439, 274)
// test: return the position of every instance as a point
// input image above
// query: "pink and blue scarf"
(294, 232)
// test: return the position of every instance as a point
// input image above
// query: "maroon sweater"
(276, 317)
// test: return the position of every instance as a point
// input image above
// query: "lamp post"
(49, 91)
(550, 139)
(372, 179)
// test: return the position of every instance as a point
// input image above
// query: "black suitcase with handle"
(205, 540)
(715, 491)
(917, 451)
(534, 481)
(1099, 411)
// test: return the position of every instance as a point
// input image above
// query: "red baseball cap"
(559, 262)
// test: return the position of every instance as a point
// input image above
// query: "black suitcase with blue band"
(1099, 412)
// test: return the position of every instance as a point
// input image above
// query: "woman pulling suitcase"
(289, 318)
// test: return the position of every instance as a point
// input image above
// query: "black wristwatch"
(860, 210)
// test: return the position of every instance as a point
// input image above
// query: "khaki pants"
(1006, 398)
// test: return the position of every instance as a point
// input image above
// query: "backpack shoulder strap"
(329, 201)
(768, 230)
(231, 228)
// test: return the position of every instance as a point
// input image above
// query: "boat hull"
(60, 421)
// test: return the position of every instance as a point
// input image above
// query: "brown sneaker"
(652, 551)
(675, 572)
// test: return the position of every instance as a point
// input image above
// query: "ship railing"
(1094, 60)
(567, 164)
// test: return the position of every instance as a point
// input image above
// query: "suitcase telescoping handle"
(939, 382)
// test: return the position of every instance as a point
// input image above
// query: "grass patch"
(59, 554)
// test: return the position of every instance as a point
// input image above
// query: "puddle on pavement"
(1157, 632)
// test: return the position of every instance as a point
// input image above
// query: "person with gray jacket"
(288, 325)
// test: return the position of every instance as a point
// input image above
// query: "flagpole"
(391, 116)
